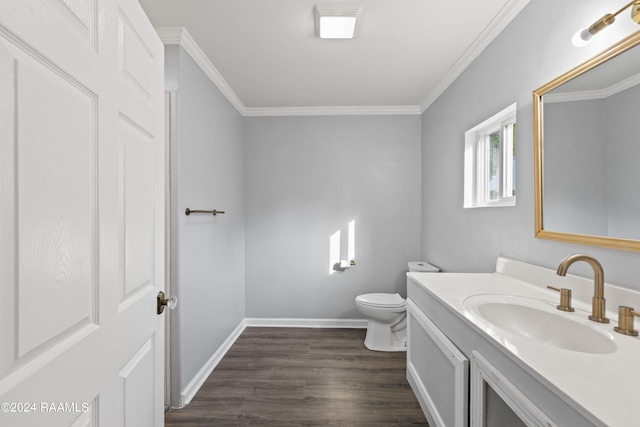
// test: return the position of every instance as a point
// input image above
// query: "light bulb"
(581, 37)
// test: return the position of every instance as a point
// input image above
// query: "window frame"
(476, 163)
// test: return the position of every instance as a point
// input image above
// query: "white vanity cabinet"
(462, 378)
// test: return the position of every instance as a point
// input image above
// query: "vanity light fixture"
(583, 36)
(336, 21)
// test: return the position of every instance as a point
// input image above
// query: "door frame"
(170, 115)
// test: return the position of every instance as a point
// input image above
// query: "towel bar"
(190, 211)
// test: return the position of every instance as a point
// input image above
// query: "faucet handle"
(565, 299)
(625, 321)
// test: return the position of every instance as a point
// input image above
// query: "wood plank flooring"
(303, 377)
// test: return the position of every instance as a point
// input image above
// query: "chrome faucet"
(598, 310)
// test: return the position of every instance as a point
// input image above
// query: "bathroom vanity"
(492, 349)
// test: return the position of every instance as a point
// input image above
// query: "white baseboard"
(194, 385)
(307, 323)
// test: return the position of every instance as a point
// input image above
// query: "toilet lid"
(381, 300)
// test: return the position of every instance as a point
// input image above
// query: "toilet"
(387, 315)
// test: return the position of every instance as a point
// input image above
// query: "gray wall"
(591, 166)
(207, 252)
(623, 156)
(306, 178)
(574, 167)
(534, 49)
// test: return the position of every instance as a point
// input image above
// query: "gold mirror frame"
(602, 241)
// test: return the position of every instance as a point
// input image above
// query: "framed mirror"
(587, 151)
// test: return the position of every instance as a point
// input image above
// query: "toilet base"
(381, 338)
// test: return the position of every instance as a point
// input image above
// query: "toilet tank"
(423, 267)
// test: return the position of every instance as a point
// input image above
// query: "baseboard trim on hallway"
(307, 323)
(194, 385)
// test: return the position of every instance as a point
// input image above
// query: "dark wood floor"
(303, 377)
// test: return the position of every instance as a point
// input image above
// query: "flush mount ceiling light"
(336, 21)
(583, 36)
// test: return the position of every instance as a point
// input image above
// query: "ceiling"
(267, 57)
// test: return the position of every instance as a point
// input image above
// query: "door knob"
(163, 301)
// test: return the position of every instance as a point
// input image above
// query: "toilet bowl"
(386, 321)
(387, 316)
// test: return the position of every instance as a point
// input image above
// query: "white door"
(81, 214)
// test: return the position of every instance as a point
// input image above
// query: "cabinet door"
(495, 401)
(437, 371)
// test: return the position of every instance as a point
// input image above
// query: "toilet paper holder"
(343, 265)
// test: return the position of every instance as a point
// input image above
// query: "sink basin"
(539, 321)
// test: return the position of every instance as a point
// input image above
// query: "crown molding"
(593, 94)
(408, 110)
(491, 31)
(589, 95)
(180, 36)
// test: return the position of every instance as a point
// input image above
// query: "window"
(490, 161)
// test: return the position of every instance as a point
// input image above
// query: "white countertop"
(602, 385)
